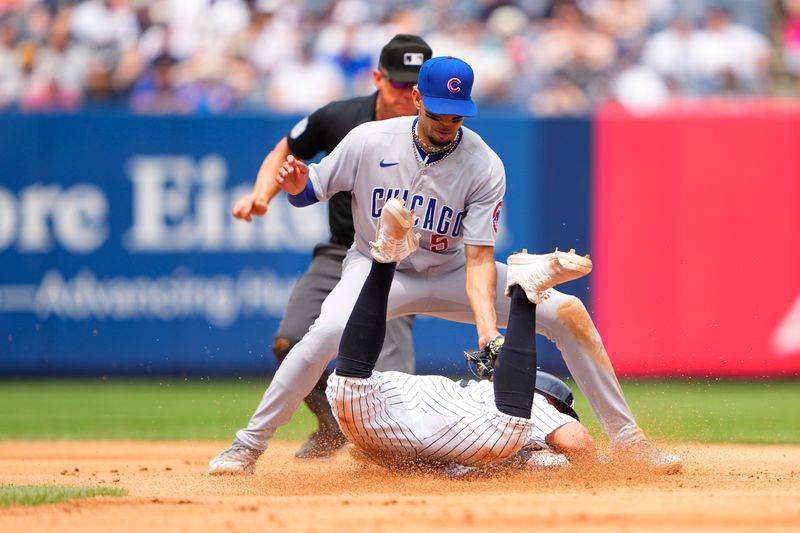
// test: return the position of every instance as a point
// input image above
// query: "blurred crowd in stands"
(544, 57)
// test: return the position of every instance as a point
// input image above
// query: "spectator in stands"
(468, 40)
(564, 56)
(667, 53)
(154, 92)
(105, 24)
(507, 27)
(11, 75)
(790, 39)
(57, 76)
(560, 97)
(272, 40)
(580, 56)
(349, 40)
(198, 26)
(302, 87)
(36, 21)
(727, 58)
(638, 87)
(626, 20)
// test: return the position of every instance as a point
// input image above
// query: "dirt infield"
(723, 487)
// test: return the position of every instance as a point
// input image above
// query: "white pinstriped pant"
(398, 417)
(440, 292)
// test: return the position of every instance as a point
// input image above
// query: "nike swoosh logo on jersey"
(385, 164)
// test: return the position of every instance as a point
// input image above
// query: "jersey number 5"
(439, 243)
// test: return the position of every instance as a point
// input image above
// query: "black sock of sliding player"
(363, 335)
(515, 368)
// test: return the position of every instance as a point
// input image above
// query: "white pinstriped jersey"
(402, 417)
(455, 201)
(544, 416)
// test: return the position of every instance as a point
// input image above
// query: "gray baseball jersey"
(456, 200)
(400, 417)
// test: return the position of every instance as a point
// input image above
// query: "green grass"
(190, 409)
(44, 494)
(139, 409)
(764, 412)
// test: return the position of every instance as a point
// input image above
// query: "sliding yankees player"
(404, 419)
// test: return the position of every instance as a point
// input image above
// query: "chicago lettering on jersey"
(431, 214)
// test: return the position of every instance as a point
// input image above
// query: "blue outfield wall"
(119, 254)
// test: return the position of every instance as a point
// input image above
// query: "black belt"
(341, 242)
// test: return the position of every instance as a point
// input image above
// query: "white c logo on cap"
(454, 85)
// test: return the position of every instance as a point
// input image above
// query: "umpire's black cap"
(554, 388)
(403, 56)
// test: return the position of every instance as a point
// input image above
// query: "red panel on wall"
(696, 240)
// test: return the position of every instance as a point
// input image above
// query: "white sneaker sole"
(569, 260)
(397, 209)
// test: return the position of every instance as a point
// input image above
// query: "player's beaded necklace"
(432, 154)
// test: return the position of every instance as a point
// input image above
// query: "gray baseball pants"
(440, 292)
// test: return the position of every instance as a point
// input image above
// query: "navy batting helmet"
(554, 388)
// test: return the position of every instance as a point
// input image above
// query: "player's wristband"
(304, 198)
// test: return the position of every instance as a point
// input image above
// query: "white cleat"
(237, 460)
(537, 273)
(394, 240)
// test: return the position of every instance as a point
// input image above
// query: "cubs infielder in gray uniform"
(454, 183)
(394, 78)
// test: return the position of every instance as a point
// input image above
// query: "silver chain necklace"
(445, 150)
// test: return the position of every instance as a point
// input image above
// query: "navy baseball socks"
(364, 333)
(515, 368)
(529, 276)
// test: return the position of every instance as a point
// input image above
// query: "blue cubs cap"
(446, 86)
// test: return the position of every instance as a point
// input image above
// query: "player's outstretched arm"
(266, 187)
(481, 278)
(292, 175)
(574, 441)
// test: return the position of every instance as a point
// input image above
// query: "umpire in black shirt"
(321, 131)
